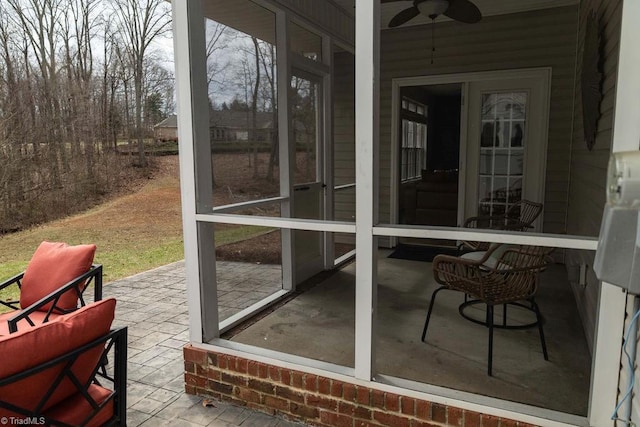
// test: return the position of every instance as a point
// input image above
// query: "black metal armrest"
(15, 280)
(94, 274)
(12, 280)
(116, 342)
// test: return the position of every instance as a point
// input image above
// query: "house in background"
(230, 125)
(226, 125)
(504, 107)
(166, 130)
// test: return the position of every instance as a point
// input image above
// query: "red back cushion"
(53, 265)
(26, 349)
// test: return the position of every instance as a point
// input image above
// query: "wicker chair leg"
(426, 322)
(504, 314)
(490, 325)
(539, 321)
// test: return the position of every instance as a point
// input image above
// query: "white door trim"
(536, 133)
(462, 78)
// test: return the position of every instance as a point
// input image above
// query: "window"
(414, 139)
(502, 145)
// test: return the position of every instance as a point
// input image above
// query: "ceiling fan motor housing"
(432, 8)
(458, 10)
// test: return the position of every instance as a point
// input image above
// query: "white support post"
(285, 147)
(195, 168)
(367, 136)
(611, 308)
(327, 147)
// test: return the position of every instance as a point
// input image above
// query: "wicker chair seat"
(514, 278)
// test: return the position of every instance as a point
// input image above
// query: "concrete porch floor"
(319, 324)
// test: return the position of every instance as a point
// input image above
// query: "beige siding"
(543, 38)
(325, 15)
(588, 168)
(344, 134)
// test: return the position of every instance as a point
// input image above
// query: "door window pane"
(306, 109)
(502, 142)
(241, 74)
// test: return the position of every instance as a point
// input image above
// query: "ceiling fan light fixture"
(433, 8)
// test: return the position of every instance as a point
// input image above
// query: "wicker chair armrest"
(513, 224)
(479, 263)
(447, 266)
(79, 284)
(472, 222)
(511, 260)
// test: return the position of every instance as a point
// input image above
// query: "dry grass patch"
(133, 233)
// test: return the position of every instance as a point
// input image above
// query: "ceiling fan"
(458, 10)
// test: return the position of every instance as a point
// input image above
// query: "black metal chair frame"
(476, 270)
(79, 284)
(116, 339)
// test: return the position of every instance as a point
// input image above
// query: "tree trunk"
(254, 108)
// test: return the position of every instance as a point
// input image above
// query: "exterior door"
(507, 142)
(306, 102)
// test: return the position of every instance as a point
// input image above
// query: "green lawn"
(133, 233)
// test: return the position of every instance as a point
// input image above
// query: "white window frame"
(413, 140)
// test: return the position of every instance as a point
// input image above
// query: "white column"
(286, 147)
(611, 308)
(195, 168)
(328, 148)
(367, 129)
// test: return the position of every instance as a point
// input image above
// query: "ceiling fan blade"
(463, 11)
(404, 16)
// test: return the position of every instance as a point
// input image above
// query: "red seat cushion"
(75, 410)
(31, 347)
(53, 265)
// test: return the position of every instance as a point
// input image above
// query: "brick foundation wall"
(314, 399)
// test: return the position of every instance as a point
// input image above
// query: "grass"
(133, 233)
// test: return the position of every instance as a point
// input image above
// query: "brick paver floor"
(154, 307)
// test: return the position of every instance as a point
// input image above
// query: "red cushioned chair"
(55, 370)
(52, 285)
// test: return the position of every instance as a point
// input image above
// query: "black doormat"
(421, 252)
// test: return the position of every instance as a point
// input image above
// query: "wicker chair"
(513, 279)
(519, 217)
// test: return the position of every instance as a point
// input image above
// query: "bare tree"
(39, 20)
(254, 106)
(63, 105)
(268, 60)
(218, 39)
(79, 27)
(140, 22)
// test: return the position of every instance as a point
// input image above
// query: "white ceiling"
(487, 7)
